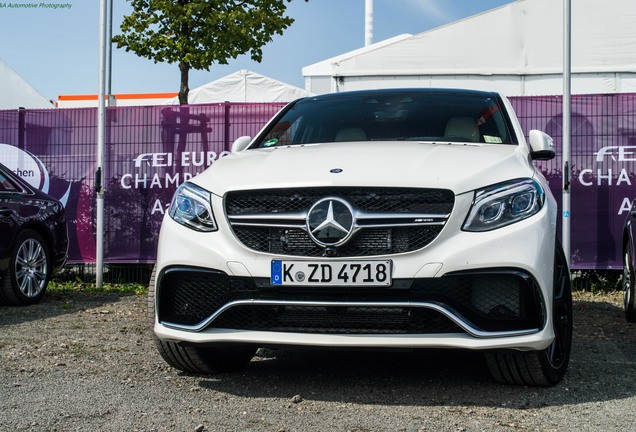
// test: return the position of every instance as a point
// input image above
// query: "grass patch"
(87, 287)
(597, 281)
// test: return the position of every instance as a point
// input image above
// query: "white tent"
(244, 86)
(318, 76)
(516, 49)
(16, 93)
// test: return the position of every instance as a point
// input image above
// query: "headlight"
(191, 206)
(504, 204)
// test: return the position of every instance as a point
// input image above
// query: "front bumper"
(487, 303)
(465, 290)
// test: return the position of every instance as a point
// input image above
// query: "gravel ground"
(81, 361)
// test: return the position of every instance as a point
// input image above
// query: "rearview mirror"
(541, 146)
(241, 143)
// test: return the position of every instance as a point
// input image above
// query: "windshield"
(417, 115)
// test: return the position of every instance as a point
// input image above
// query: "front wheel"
(629, 290)
(205, 359)
(198, 359)
(29, 271)
(545, 367)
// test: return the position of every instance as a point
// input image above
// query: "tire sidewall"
(555, 372)
(12, 281)
(630, 287)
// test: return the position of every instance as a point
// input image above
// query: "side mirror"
(541, 146)
(241, 144)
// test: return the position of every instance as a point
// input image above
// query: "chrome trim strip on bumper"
(444, 310)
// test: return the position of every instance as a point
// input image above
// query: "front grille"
(273, 221)
(487, 301)
(388, 200)
(369, 242)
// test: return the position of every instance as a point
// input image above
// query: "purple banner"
(603, 157)
(149, 151)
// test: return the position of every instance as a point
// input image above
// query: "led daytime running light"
(504, 204)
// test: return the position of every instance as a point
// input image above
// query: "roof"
(17, 92)
(521, 38)
(324, 67)
(403, 93)
(244, 86)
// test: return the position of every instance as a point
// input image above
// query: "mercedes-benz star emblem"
(330, 221)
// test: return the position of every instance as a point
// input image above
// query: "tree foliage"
(197, 34)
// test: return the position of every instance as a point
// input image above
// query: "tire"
(629, 290)
(209, 359)
(546, 367)
(29, 271)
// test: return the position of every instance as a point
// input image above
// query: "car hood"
(458, 167)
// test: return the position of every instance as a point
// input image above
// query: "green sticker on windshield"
(270, 143)
(492, 139)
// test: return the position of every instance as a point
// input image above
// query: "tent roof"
(520, 38)
(17, 93)
(324, 67)
(244, 86)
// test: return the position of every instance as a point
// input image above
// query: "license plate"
(342, 273)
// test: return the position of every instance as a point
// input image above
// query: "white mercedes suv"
(402, 218)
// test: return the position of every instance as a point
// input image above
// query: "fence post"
(101, 111)
(567, 107)
(21, 128)
(226, 126)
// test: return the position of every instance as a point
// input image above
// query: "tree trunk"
(184, 89)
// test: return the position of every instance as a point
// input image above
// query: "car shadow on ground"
(602, 367)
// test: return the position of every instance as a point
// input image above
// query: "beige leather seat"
(462, 127)
(351, 134)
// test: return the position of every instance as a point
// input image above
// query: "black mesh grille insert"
(501, 300)
(190, 296)
(390, 200)
(337, 320)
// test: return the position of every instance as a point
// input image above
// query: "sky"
(57, 50)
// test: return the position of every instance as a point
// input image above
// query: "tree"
(199, 33)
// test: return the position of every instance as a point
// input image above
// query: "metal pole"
(109, 61)
(567, 108)
(101, 115)
(368, 22)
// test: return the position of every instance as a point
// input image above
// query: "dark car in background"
(33, 240)
(629, 254)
